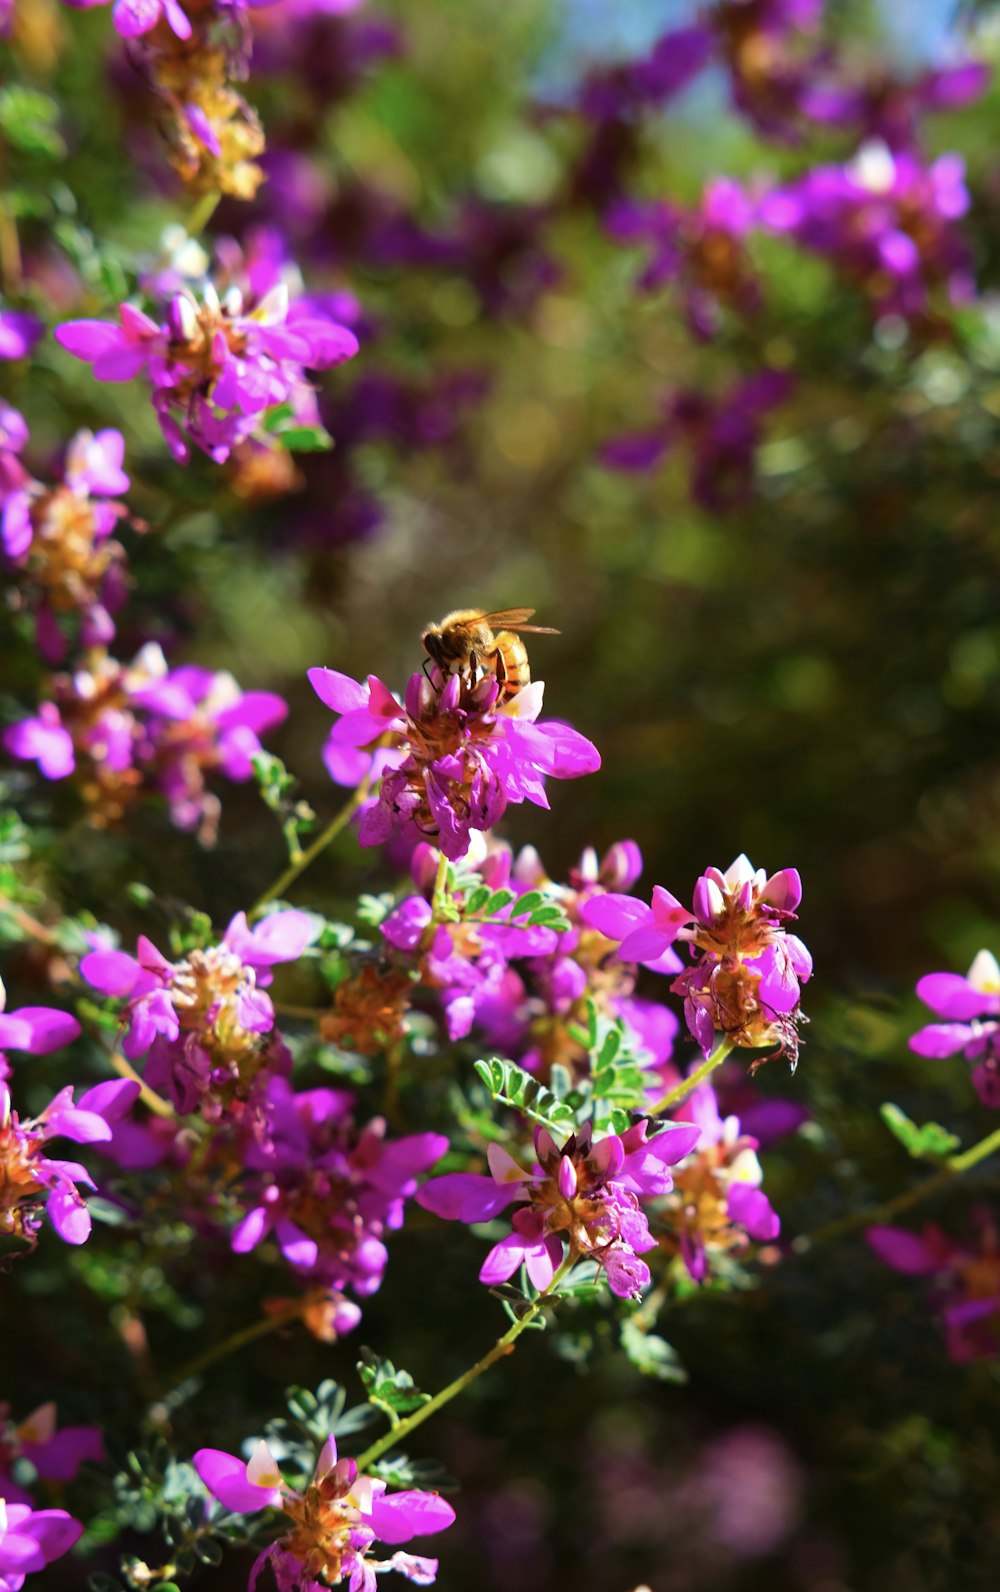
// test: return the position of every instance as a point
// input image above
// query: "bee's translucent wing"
(516, 619)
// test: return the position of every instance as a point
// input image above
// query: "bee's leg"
(498, 668)
(426, 667)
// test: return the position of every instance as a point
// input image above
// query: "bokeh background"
(809, 675)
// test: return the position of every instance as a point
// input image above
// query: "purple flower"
(327, 1193)
(884, 108)
(887, 221)
(971, 1006)
(451, 758)
(703, 249)
(586, 1192)
(723, 435)
(745, 976)
(133, 18)
(966, 1280)
(19, 332)
(718, 1203)
(30, 1539)
(31, 1179)
(130, 727)
(333, 1524)
(55, 1455)
(613, 99)
(219, 364)
(205, 1020)
(35, 1029)
(767, 48)
(60, 537)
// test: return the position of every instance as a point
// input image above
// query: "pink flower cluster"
(326, 1192)
(203, 1022)
(219, 363)
(523, 989)
(124, 729)
(333, 1525)
(581, 1200)
(746, 969)
(450, 758)
(60, 539)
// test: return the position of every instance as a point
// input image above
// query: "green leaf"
(931, 1142)
(476, 900)
(392, 1391)
(28, 122)
(651, 1355)
(497, 901)
(529, 902)
(306, 439)
(519, 1089)
(609, 1050)
(549, 916)
(100, 1582)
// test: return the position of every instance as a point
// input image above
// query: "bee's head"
(435, 644)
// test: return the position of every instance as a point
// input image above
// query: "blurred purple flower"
(55, 1455)
(966, 1279)
(325, 1192)
(887, 221)
(19, 331)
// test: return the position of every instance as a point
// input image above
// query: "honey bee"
(469, 641)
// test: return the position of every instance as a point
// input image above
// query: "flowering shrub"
(318, 317)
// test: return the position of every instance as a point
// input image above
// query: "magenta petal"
(50, 1030)
(503, 1259)
(83, 1127)
(225, 1476)
(396, 1517)
(674, 1143)
(466, 1197)
(753, 1210)
(338, 691)
(646, 944)
(902, 1250)
(950, 995)
(61, 1457)
(941, 1039)
(111, 1100)
(543, 1260)
(88, 339)
(615, 915)
(113, 973)
(248, 1233)
(69, 1216)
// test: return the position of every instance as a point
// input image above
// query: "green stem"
(202, 213)
(310, 854)
(953, 1167)
(503, 1346)
(440, 895)
(681, 1090)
